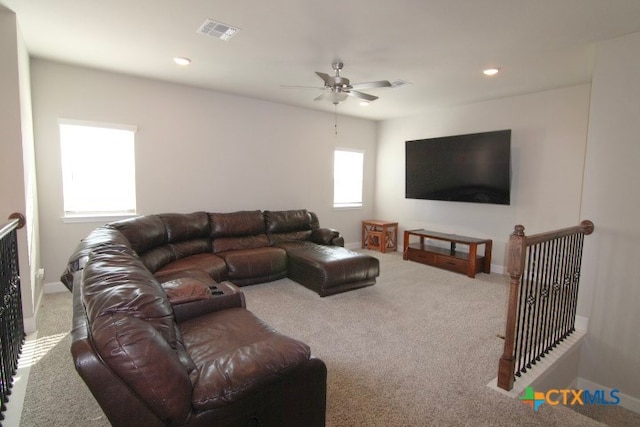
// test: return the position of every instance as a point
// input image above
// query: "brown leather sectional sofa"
(161, 334)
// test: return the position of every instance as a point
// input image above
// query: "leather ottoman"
(329, 270)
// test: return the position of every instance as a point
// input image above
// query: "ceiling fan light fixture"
(338, 97)
(364, 103)
(491, 71)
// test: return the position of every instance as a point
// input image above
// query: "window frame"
(95, 215)
(353, 205)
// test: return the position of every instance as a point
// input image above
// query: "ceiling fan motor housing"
(340, 83)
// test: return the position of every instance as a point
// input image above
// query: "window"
(348, 172)
(98, 169)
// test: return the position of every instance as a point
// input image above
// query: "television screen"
(472, 168)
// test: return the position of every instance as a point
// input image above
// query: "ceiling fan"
(337, 88)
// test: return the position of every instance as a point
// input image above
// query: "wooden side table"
(380, 235)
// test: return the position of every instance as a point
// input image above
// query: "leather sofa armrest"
(184, 290)
(224, 295)
(338, 241)
(325, 236)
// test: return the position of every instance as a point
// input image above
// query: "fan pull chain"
(335, 118)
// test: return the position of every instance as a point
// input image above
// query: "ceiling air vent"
(217, 29)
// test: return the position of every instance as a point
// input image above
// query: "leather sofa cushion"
(235, 354)
(254, 262)
(155, 258)
(243, 223)
(158, 257)
(191, 247)
(287, 221)
(146, 362)
(212, 264)
(115, 280)
(277, 238)
(224, 244)
(182, 227)
(161, 239)
(143, 232)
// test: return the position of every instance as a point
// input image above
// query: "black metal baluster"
(553, 295)
(536, 294)
(543, 300)
(564, 294)
(576, 276)
(524, 290)
(529, 304)
(4, 281)
(575, 279)
(517, 341)
(568, 280)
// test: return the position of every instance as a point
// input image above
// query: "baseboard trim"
(353, 245)
(29, 324)
(498, 269)
(54, 287)
(626, 401)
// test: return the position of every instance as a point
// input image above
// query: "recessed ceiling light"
(491, 71)
(181, 61)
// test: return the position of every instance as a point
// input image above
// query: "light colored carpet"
(416, 349)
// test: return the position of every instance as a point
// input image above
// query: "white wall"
(17, 167)
(547, 149)
(610, 294)
(195, 150)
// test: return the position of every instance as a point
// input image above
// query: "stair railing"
(544, 272)
(11, 319)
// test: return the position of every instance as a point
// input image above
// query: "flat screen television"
(472, 168)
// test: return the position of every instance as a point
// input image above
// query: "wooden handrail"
(17, 221)
(586, 227)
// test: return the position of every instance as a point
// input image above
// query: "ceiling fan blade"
(302, 87)
(371, 85)
(326, 78)
(362, 95)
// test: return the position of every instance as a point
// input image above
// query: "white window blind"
(348, 173)
(98, 169)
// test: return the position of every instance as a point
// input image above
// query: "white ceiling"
(440, 46)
